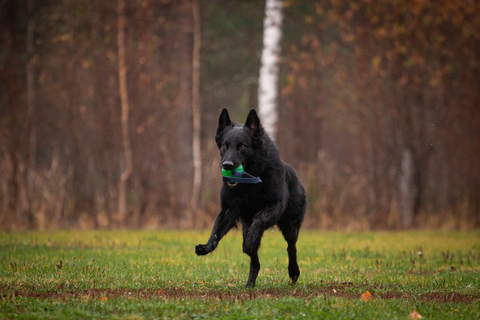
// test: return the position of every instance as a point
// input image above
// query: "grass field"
(156, 274)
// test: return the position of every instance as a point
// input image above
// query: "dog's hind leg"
(290, 233)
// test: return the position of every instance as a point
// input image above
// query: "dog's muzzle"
(236, 176)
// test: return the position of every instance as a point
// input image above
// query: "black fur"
(278, 200)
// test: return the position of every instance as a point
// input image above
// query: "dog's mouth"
(236, 176)
(232, 185)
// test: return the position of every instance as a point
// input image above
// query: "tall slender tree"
(268, 81)
(122, 85)
(197, 156)
(183, 117)
(31, 104)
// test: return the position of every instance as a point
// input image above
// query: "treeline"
(379, 109)
(394, 91)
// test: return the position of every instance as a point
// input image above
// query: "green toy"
(238, 172)
(238, 175)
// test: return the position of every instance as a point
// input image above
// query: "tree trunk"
(197, 156)
(406, 192)
(31, 108)
(183, 157)
(122, 79)
(268, 81)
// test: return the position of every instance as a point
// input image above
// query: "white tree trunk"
(267, 83)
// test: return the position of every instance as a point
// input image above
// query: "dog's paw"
(294, 273)
(202, 249)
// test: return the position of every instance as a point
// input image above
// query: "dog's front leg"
(263, 220)
(252, 236)
(252, 252)
(224, 222)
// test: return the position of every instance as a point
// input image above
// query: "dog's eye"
(242, 146)
(224, 145)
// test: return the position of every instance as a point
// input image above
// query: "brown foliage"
(378, 110)
(387, 80)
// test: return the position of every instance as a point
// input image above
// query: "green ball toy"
(238, 172)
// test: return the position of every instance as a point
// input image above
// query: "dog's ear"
(223, 122)
(253, 123)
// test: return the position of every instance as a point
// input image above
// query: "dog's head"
(237, 143)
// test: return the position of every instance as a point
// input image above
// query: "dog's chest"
(249, 200)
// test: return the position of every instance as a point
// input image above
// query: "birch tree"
(267, 90)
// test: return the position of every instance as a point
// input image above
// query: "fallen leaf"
(334, 291)
(103, 298)
(159, 291)
(230, 285)
(366, 296)
(414, 315)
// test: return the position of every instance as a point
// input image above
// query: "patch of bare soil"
(343, 290)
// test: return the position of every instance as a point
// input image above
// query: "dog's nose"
(228, 165)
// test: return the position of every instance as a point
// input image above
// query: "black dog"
(278, 200)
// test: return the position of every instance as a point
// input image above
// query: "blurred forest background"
(379, 110)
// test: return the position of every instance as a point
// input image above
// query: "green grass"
(150, 274)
